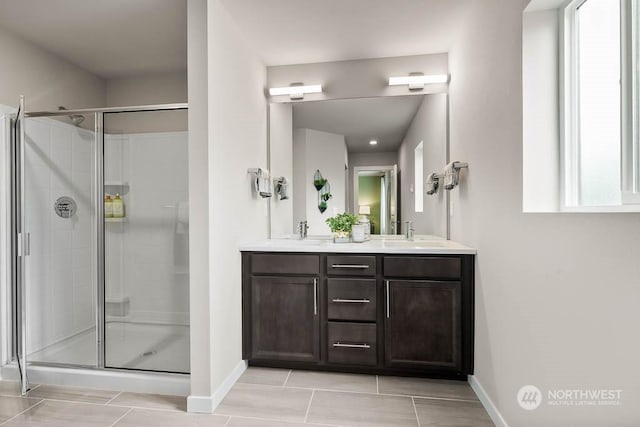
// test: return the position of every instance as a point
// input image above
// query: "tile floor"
(262, 398)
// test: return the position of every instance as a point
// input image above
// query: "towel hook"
(262, 183)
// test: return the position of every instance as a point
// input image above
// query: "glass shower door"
(146, 240)
(59, 218)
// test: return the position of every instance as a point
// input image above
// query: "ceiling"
(110, 38)
(385, 119)
(114, 38)
(306, 31)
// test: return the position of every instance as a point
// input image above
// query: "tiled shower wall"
(146, 256)
(61, 269)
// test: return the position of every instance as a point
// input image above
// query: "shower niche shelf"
(115, 220)
(113, 187)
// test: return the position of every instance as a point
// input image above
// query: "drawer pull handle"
(363, 300)
(355, 266)
(339, 344)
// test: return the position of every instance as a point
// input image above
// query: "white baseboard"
(134, 381)
(208, 404)
(200, 404)
(486, 401)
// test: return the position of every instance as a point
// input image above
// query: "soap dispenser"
(108, 206)
(118, 207)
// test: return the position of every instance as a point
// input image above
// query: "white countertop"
(420, 245)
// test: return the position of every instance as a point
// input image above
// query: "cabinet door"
(284, 318)
(423, 324)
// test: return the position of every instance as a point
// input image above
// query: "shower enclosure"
(100, 243)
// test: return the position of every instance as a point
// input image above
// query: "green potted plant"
(340, 226)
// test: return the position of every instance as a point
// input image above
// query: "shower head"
(76, 119)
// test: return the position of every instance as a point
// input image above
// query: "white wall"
(430, 127)
(281, 163)
(200, 313)
(237, 127)
(299, 175)
(47, 81)
(541, 130)
(556, 294)
(315, 150)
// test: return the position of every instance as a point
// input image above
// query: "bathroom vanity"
(380, 307)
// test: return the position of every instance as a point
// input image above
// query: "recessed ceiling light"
(373, 142)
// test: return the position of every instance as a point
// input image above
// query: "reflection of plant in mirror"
(319, 183)
(318, 180)
(342, 222)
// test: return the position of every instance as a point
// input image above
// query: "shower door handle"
(24, 244)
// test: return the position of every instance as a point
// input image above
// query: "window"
(631, 99)
(593, 111)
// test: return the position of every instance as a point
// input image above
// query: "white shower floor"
(144, 346)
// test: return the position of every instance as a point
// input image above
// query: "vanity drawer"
(422, 267)
(285, 264)
(351, 299)
(352, 343)
(351, 265)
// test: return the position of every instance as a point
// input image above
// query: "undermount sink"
(413, 244)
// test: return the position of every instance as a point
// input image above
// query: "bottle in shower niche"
(108, 206)
(118, 207)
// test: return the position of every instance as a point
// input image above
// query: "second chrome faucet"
(408, 232)
(303, 227)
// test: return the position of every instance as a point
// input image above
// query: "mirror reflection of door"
(375, 197)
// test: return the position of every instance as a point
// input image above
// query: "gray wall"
(429, 126)
(358, 78)
(281, 164)
(556, 294)
(46, 80)
(148, 89)
(161, 88)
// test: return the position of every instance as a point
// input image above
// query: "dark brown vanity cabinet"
(424, 313)
(423, 324)
(281, 299)
(368, 313)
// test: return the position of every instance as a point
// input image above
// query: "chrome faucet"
(408, 231)
(302, 230)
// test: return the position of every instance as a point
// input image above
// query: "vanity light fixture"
(295, 90)
(416, 81)
(373, 142)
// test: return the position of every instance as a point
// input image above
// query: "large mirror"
(368, 156)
